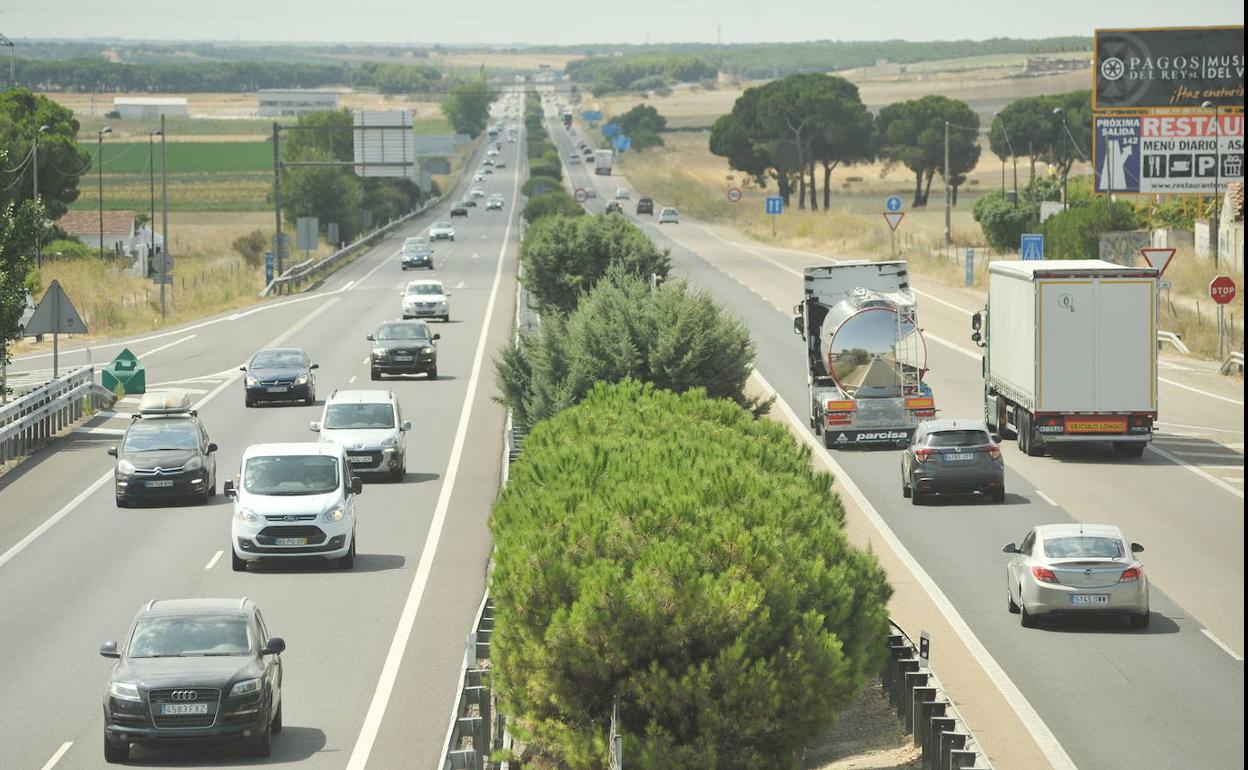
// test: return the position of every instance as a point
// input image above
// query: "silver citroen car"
(1075, 569)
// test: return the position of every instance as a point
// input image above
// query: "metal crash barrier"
(29, 422)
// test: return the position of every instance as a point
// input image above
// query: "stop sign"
(1222, 289)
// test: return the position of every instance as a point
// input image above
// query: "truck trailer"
(603, 160)
(1070, 353)
(865, 354)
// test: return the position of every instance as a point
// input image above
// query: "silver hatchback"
(1075, 569)
(952, 457)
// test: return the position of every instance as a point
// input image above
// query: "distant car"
(494, 204)
(500, 163)
(621, 194)
(669, 216)
(487, 163)
(279, 374)
(369, 423)
(404, 347)
(1075, 569)
(459, 210)
(590, 192)
(193, 671)
(415, 240)
(441, 231)
(165, 453)
(477, 192)
(574, 159)
(487, 171)
(478, 177)
(952, 457)
(416, 255)
(492, 152)
(645, 206)
(425, 299)
(614, 207)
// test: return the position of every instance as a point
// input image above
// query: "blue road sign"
(591, 115)
(268, 267)
(970, 266)
(774, 204)
(621, 143)
(892, 203)
(1033, 246)
(610, 129)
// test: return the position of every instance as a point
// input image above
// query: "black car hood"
(278, 374)
(197, 671)
(415, 344)
(163, 458)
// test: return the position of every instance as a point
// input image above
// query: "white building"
(150, 107)
(281, 103)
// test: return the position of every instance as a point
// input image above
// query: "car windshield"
(279, 359)
(350, 416)
(424, 288)
(403, 332)
(1082, 546)
(190, 636)
(291, 475)
(155, 435)
(947, 438)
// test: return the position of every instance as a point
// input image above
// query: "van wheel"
(1010, 604)
(238, 564)
(905, 490)
(917, 497)
(348, 561)
(264, 746)
(277, 721)
(374, 374)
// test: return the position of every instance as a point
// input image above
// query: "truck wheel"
(1129, 449)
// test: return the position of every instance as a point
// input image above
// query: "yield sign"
(55, 314)
(1158, 259)
(893, 218)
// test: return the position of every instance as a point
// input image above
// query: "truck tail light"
(841, 406)
(1043, 574)
(921, 403)
(1130, 575)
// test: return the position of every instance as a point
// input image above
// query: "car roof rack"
(165, 403)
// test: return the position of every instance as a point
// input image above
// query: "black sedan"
(163, 458)
(416, 256)
(279, 374)
(404, 347)
(459, 210)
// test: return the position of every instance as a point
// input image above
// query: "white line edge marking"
(398, 645)
(167, 346)
(65, 510)
(350, 381)
(1040, 732)
(1047, 499)
(1199, 427)
(100, 431)
(1205, 393)
(1225, 647)
(213, 561)
(1206, 476)
(51, 763)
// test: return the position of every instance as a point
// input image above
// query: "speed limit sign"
(580, 195)
(734, 194)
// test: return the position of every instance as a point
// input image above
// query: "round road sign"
(892, 204)
(580, 195)
(1222, 290)
(734, 194)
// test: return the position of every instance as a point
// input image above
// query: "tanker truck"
(865, 355)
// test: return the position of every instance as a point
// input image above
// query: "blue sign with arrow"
(621, 143)
(1032, 247)
(892, 204)
(611, 129)
(774, 204)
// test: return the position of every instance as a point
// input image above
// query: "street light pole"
(1217, 180)
(99, 174)
(1066, 166)
(164, 192)
(948, 192)
(151, 222)
(35, 168)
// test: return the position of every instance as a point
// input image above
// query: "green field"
(260, 128)
(186, 157)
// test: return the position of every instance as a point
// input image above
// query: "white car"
(478, 178)
(669, 216)
(369, 424)
(294, 501)
(441, 231)
(426, 298)
(621, 194)
(491, 152)
(477, 192)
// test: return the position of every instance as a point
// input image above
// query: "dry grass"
(502, 60)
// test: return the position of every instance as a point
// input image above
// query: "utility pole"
(1215, 237)
(99, 175)
(35, 168)
(164, 195)
(151, 222)
(277, 195)
(948, 193)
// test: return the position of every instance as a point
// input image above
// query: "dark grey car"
(952, 457)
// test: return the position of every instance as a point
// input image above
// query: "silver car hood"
(357, 439)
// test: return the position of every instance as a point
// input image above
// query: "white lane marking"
(65, 510)
(369, 274)
(1228, 455)
(167, 346)
(398, 645)
(459, 285)
(207, 379)
(347, 286)
(1206, 476)
(213, 561)
(475, 256)
(101, 431)
(952, 345)
(1047, 499)
(1233, 479)
(51, 763)
(1225, 647)
(351, 380)
(1199, 427)
(1201, 392)
(946, 303)
(365, 361)
(1040, 732)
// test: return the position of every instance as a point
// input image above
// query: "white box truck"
(603, 160)
(1070, 353)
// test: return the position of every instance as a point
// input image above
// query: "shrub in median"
(671, 550)
(551, 203)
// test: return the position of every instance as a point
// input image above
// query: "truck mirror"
(976, 337)
(977, 321)
(798, 327)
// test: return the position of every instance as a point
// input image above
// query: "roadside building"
(293, 102)
(151, 107)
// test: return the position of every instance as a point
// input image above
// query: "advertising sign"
(384, 144)
(1158, 68)
(1169, 153)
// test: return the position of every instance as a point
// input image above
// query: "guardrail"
(1174, 340)
(295, 275)
(1234, 361)
(926, 711)
(29, 422)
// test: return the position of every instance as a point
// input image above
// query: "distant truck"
(602, 161)
(865, 354)
(566, 117)
(1070, 353)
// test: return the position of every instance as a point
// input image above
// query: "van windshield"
(291, 475)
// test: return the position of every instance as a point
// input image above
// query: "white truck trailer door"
(1065, 344)
(1126, 345)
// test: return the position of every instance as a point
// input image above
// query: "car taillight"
(1130, 575)
(1043, 574)
(921, 455)
(994, 452)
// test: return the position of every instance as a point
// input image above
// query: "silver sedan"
(1076, 569)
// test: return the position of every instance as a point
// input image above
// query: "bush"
(1076, 232)
(536, 185)
(68, 248)
(548, 204)
(546, 166)
(563, 257)
(1004, 222)
(642, 140)
(673, 551)
(251, 247)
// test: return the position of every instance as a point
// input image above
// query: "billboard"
(384, 143)
(1168, 153)
(1158, 68)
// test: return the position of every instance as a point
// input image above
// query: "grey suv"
(369, 424)
(193, 672)
(952, 457)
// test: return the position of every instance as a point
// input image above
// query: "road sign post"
(55, 315)
(1222, 291)
(893, 215)
(970, 266)
(1032, 247)
(774, 206)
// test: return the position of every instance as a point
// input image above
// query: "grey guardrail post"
(911, 681)
(931, 748)
(897, 693)
(949, 741)
(962, 759)
(926, 712)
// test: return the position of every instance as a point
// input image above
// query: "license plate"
(1099, 425)
(1089, 599)
(290, 541)
(177, 709)
(359, 458)
(279, 389)
(164, 483)
(959, 457)
(403, 359)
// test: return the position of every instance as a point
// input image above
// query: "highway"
(1171, 696)
(374, 653)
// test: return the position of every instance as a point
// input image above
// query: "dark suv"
(404, 347)
(952, 457)
(165, 454)
(194, 672)
(645, 206)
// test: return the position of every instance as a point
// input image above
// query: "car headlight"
(246, 687)
(124, 691)
(390, 442)
(381, 352)
(248, 516)
(193, 464)
(252, 381)
(125, 466)
(301, 379)
(333, 515)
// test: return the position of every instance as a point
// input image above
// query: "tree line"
(639, 73)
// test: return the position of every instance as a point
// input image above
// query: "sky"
(563, 22)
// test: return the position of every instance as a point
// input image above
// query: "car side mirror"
(1137, 548)
(212, 447)
(112, 451)
(314, 366)
(314, 426)
(357, 486)
(436, 336)
(405, 426)
(996, 439)
(227, 488)
(242, 368)
(1009, 548)
(449, 293)
(371, 338)
(275, 646)
(109, 650)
